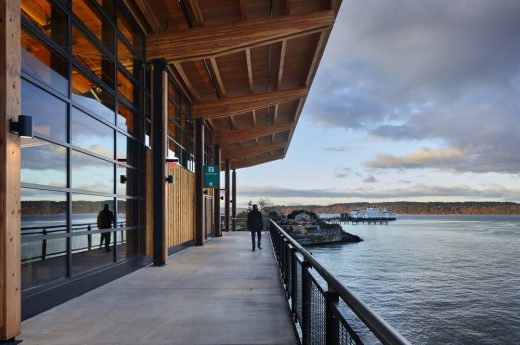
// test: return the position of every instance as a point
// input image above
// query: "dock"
(220, 293)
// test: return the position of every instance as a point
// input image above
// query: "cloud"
(370, 179)
(336, 148)
(435, 70)
(411, 192)
(424, 158)
(343, 172)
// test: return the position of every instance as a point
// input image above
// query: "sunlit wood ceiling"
(246, 65)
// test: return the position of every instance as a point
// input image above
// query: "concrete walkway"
(221, 293)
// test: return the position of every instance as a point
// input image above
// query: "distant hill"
(405, 207)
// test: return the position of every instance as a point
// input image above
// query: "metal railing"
(41, 242)
(323, 315)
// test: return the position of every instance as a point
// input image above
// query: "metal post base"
(11, 341)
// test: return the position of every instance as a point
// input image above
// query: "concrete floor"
(221, 293)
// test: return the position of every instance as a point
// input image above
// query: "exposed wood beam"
(275, 115)
(253, 162)
(249, 151)
(243, 11)
(195, 10)
(232, 122)
(288, 7)
(254, 117)
(220, 83)
(272, 137)
(186, 80)
(297, 116)
(203, 42)
(317, 56)
(240, 135)
(139, 18)
(149, 16)
(238, 105)
(181, 84)
(249, 70)
(282, 60)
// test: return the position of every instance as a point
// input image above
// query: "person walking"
(105, 219)
(255, 224)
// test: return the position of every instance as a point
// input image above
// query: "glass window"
(125, 87)
(92, 230)
(92, 96)
(127, 216)
(91, 57)
(43, 63)
(127, 181)
(127, 150)
(126, 119)
(92, 174)
(48, 19)
(43, 249)
(89, 16)
(48, 112)
(130, 32)
(125, 56)
(43, 163)
(147, 133)
(90, 134)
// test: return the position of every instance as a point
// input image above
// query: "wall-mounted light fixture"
(172, 160)
(205, 192)
(230, 201)
(122, 178)
(24, 126)
(169, 179)
(221, 198)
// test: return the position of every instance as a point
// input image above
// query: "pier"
(220, 293)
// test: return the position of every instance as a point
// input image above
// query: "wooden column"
(199, 183)
(226, 199)
(234, 198)
(216, 196)
(10, 211)
(159, 126)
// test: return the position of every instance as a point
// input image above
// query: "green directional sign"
(211, 176)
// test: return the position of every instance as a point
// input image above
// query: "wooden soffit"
(241, 135)
(250, 151)
(203, 42)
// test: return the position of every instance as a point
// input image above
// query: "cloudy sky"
(413, 100)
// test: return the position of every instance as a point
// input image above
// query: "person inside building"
(255, 224)
(105, 219)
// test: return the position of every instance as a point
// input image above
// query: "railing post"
(306, 303)
(44, 244)
(122, 232)
(331, 303)
(284, 264)
(294, 281)
(89, 237)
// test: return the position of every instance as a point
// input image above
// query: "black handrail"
(379, 327)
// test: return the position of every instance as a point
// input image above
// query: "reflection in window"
(125, 119)
(127, 215)
(88, 249)
(125, 87)
(43, 163)
(48, 112)
(127, 181)
(47, 18)
(92, 96)
(131, 33)
(41, 62)
(125, 57)
(90, 134)
(92, 58)
(128, 150)
(98, 26)
(92, 174)
(43, 219)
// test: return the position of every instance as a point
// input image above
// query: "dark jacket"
(105, 219)
(255, 221)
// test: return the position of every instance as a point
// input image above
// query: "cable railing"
(42, 242)
(323, 315)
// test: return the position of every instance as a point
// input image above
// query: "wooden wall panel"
(181, 206)
(10, 256)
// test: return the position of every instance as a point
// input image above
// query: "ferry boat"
(371, 214)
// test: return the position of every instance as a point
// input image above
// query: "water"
(437, 279)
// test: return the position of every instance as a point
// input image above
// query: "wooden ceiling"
(246, 65)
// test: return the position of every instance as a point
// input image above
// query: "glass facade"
(86, 87)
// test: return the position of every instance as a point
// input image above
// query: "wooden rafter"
(186, 80)
(240, 135)
(251, 151)
(150, 17)
(249, 70)
(238, 105)
(256, 161)
(231, 120)
(207, 41)
(216, 71)
(195, 10)
(254, 117)
(317, 56)
(275, 115)
(282, 60)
